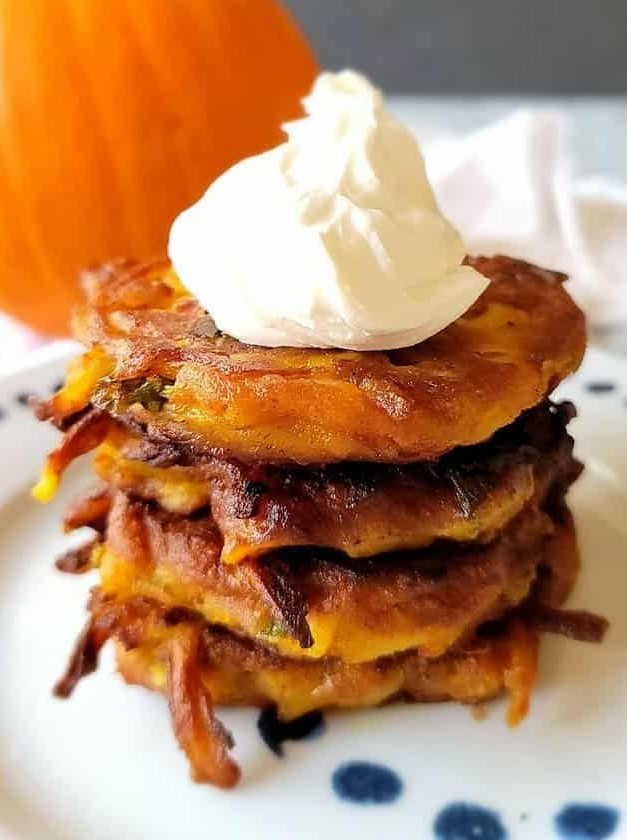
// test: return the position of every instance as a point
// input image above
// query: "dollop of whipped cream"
(332, 239)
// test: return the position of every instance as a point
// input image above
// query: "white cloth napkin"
(509, 188)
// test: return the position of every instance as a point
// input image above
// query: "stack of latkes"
(305, 528)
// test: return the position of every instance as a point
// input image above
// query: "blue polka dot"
(586, 821)
(461, 821)
(24, 398)
(3, 413)
(601, 387)
(366, 784)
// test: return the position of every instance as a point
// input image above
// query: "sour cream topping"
(332, 239)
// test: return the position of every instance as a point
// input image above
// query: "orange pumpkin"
(116, 115)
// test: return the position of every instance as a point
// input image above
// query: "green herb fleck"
(117, 397)
(275, 631)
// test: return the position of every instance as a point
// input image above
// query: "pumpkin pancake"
(356, 508)
(244, 673)
(308, 602)
(198, 665)
(156, 360)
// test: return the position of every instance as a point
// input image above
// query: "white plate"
(104, 765)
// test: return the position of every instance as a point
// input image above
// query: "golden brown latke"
(312, 603)
(359, 509)
(155, 360)
(240, 672)
(198, 665)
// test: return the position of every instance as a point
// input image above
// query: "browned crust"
(90, 510)
(358, 509)
(437, 594)
(286, 405)
(278, 581)
(203, 738)
(204, 665)
(486, 666)
(77, 561)
(81, 437)
(200, 734)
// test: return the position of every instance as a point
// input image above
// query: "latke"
(359, 509)
(312, 603)
(155, 360)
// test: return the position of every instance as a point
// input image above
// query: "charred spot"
(197, 515)
(405, 357)
(289, 603)
(245, 502)
(492, 630)
(180, 615)
(67, 423)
